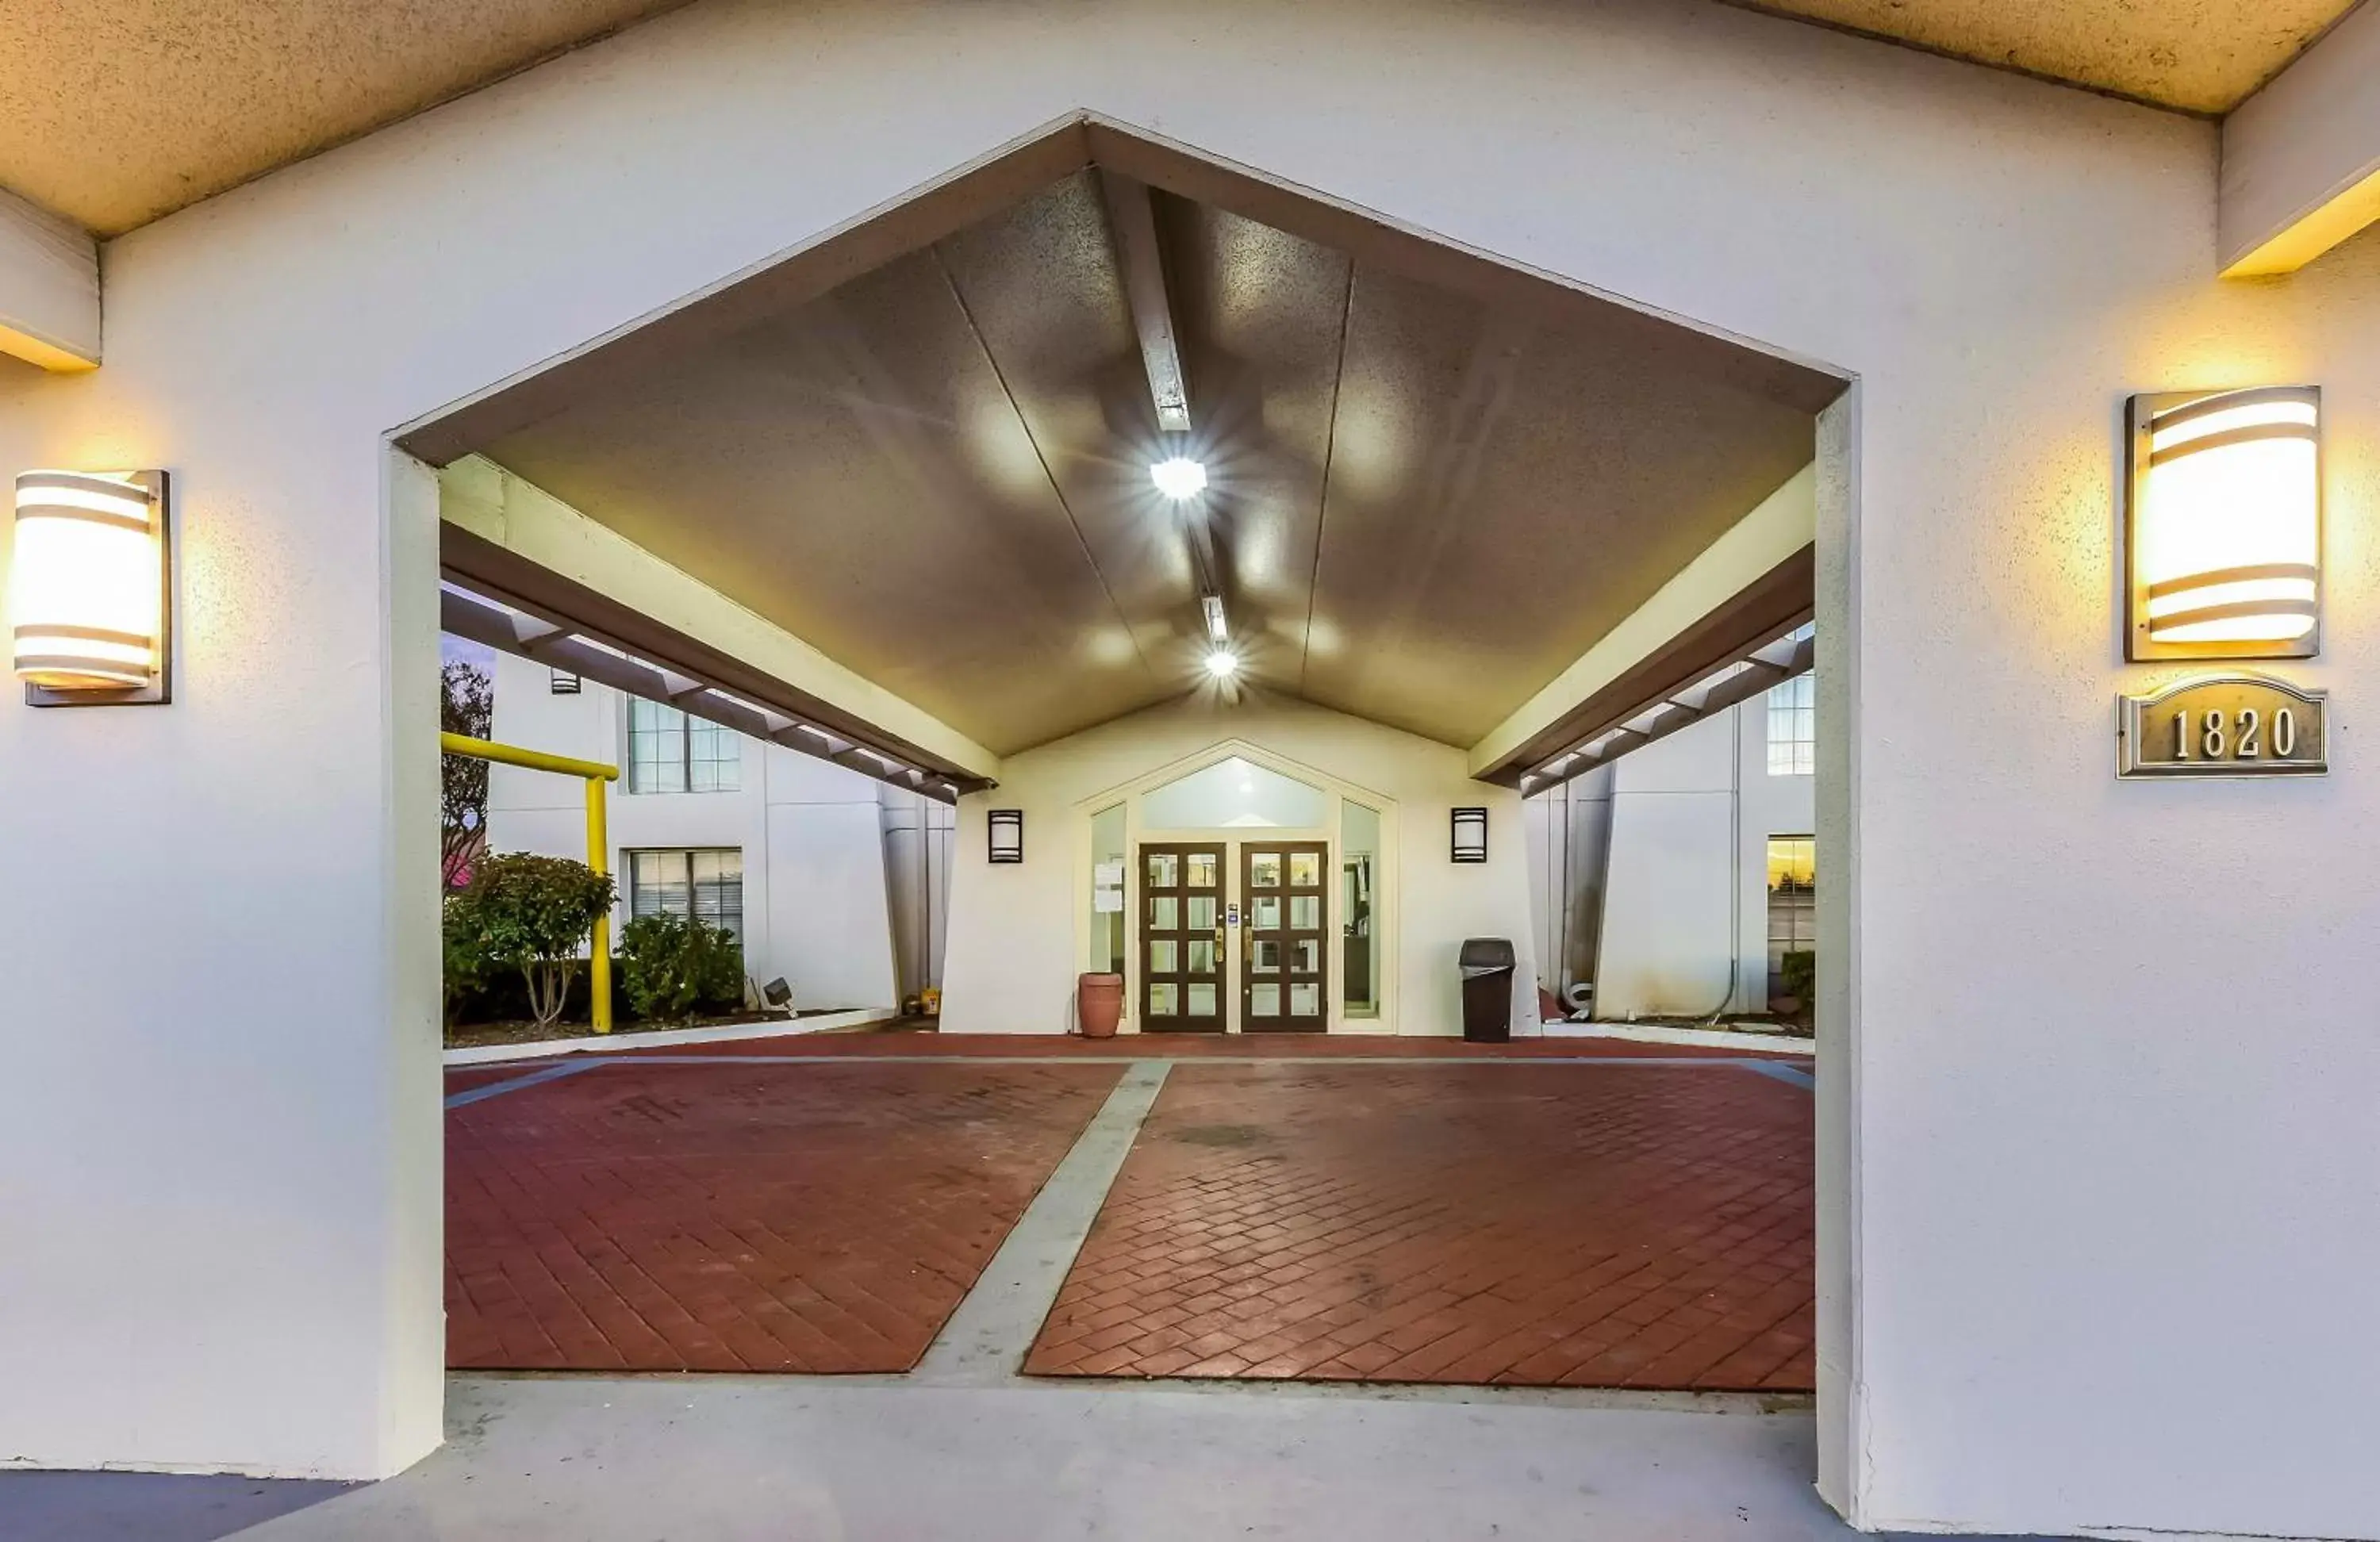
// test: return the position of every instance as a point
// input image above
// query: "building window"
(708, 885)
(670, 752)
(1792, 728)
(1792, 915)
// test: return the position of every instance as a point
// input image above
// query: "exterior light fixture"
(1007, 827)
(1470, 835)
(1213, 606)
(91, 589)
(1222, 663)
(1179, 478)
(2223, 530)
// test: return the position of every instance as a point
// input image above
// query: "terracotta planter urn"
(1098, 1004)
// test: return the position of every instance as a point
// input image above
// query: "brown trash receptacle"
(1488, 964)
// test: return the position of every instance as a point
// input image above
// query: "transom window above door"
(1236, 794)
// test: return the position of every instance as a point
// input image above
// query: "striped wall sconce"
(2223, 527)
(91, 589)
(1007, 831)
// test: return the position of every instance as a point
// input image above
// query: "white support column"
(49, 289)
(2302, 157)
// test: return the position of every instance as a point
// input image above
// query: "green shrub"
(465, 963)
(673, 965)
(532, 914)
(1797, 974)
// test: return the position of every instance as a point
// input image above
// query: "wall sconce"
(91, 589)
(2223, 528)
(1471, 835)
(1007, 827)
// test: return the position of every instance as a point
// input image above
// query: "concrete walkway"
(722, 1459)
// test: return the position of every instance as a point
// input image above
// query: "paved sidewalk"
(1617, 1225)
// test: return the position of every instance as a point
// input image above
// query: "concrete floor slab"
(858, 1460)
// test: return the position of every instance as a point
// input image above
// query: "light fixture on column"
(2223, 532)
(1179, 478)
(1471, 835)
(91, 589)
(1007, 834)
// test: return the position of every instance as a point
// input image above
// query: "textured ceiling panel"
(114, 112)
(2198, 55)
(1422, 506)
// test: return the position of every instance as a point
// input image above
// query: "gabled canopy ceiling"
(114, 112)
(1434, 483)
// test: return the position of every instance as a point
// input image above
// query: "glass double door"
(1198, 900)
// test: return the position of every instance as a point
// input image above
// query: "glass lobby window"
(1359, 855)
(1793, 723)
(670, 752)
(1108, 871)
(707, 885)
(1793, 905)
(1235, 793)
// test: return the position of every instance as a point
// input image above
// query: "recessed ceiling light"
(1179, 478)
(1222, 663)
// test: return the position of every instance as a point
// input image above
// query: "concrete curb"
(1714, 1038)
(485, 1054)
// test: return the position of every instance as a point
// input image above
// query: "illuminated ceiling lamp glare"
(2224, 526)
(1222, 664)
(1179, 478)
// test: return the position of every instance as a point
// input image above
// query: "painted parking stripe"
(1791, 1076)
(497, 1089)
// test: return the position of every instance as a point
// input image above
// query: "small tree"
(467, 705)
(533, 914)
(670, 965)
(465, 961)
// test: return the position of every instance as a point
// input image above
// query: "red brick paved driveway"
(1584, 1225)
(735, 1216)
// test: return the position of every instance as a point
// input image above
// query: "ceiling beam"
(1738, 680)
(503, 626)
(1140, 257)
(506, 537)
(2302, 157)
(1749, 586)
(49, 289)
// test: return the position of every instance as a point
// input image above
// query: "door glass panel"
(1264, 869)
(1310, 957)
(1267, 957)
(1202, 956)
(1264, 913)
(1202, 1000)
(1202, 913)
(1305, 1000)
(1304, 912)
(1202, 870)
(1164, 913)
(1165, 999)
(1264, 1000)
(1162, 957)
(1305, 870)
(1164, 869)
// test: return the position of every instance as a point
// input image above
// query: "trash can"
(1486, 963)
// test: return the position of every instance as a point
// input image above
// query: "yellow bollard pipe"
(598, 943)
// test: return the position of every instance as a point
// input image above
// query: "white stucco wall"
(1014, 949)
(2097, 1231)
(815, 901)
(1686, 897)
